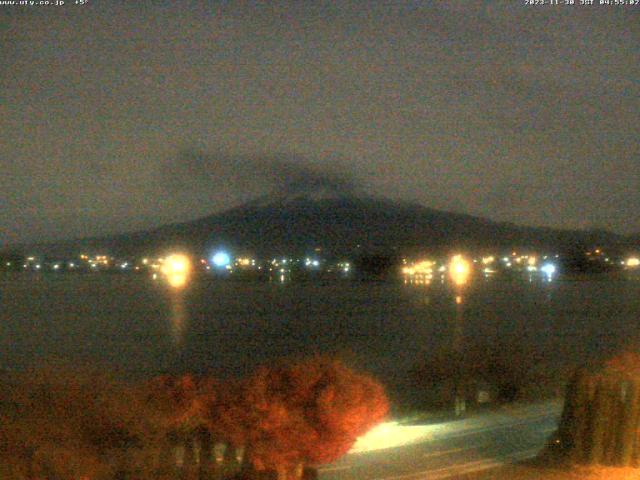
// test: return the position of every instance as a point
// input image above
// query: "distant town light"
(176, 263)
(633, 262)
(549, 269)
(459, 270)
(221, 259)
(176, 268)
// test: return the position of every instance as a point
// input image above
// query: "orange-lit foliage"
(309, 412)
(184, 401)
(227, 415)
(627, 363)
(58, 422)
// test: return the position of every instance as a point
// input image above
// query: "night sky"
(117, 116)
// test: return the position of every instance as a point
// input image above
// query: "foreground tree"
(310, 412)
(183, 404)
(63, 422)
(600, 422)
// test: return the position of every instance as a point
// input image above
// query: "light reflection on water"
(178, 321)
(138, 324)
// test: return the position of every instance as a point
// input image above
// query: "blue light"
(221, 259)
(548, 269)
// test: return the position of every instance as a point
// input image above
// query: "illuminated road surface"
(448, 450)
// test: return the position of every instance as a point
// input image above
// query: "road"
(448, 450)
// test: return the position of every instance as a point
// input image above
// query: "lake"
(143, 327)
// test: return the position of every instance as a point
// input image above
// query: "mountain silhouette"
(339, 225)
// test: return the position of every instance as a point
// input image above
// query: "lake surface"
(143, 326)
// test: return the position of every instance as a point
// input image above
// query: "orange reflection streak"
(178, 319)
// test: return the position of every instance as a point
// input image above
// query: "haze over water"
(144, 327)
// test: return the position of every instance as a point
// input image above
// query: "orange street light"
(176, 268)
(459, 270)
(633, 262)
